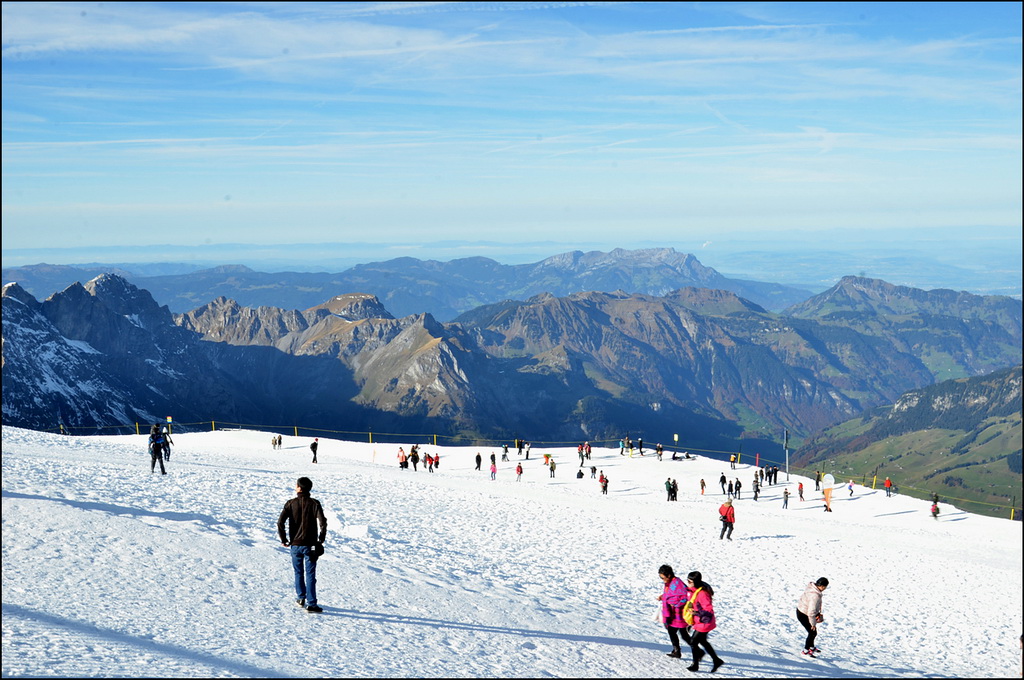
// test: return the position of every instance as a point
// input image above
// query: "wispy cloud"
(528, 105)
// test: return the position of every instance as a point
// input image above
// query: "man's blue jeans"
(305, 574)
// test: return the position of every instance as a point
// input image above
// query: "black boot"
(697, 656)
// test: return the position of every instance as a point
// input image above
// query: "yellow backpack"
(688, 607)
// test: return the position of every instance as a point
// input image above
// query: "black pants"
(701, 640)
(726, 529)
(805, 621)
(157, 455)
(674, 634)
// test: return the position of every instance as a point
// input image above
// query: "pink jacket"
(703, 613)
(672, 600)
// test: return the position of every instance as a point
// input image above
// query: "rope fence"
(866, 479)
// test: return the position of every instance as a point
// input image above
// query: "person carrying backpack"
(702, 614)
(156, 450)
(728, 516)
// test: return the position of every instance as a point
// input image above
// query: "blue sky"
(138, 124)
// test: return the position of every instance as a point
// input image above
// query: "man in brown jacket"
(302, 515)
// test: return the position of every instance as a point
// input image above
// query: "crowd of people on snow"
(687, 605)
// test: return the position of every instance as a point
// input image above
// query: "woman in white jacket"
(808, 612)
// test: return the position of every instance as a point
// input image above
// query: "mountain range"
(711, 366)
(411, 286)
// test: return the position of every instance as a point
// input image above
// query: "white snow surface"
(111, 571)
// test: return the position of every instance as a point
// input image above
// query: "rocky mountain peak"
(123, 298)
(355, 306)
(16, 292)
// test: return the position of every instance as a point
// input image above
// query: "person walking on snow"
(478, 460)
(519, 472)
(702, 487)
(313, 447)
(672, 599)
(721, 480)
(785, 498)
(167, 444)
(703, 621)
(156, 448)
(888, 487)
(728, 516)
(551, 467)
(808, 613)
(494, 471)
(303, 514)
(800, 490)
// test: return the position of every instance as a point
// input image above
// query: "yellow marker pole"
(873, 481)
(136, 428)
(213, 426)
(296, 428)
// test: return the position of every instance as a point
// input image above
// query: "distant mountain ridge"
(445, 289)
(955, 334)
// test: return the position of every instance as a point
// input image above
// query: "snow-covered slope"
(109, 570)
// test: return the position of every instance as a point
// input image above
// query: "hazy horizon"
(986, 262)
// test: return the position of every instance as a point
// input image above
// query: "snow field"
(109, 570)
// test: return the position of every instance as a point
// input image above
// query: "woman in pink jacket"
(703, 621)
(672, 600)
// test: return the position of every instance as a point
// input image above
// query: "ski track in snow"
(109, 570)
